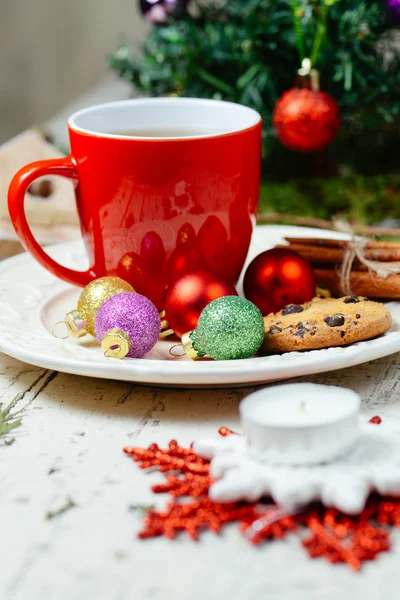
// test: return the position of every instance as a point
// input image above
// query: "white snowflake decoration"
(373, 464)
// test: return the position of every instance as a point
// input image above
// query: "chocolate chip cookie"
(325, 323)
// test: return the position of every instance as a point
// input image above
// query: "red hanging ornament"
(189, 295)
(305, 118)
(278, 277)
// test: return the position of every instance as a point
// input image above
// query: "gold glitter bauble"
(95, 294)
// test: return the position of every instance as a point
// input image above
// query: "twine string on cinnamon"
(356, 250)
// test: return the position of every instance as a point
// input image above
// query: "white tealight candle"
(300, 424)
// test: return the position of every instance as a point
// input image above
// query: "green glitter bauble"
(229, 328)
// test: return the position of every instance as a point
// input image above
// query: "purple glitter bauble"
(134, 314)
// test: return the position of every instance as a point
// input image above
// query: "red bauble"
(184, 259)
(136, 270)
(306, 120)
(277, 278)
(212, 240)
(189, 295)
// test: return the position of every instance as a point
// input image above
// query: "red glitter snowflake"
(337, 537)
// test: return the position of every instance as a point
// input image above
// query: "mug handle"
(16, 206)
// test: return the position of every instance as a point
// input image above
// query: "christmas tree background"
(249, 51)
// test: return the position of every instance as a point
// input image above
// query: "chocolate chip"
(335, 320)
(301, 333)
(351, 300)
(342, 334)
(301, 330)
(355, 323)
(274, 329)
(292, 309)
(358, 316)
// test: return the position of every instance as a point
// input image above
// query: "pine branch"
(320, 34)
(297, 26)
(248, 52)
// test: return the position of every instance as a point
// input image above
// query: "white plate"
(32, 300)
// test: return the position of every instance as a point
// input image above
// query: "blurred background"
(328, 150)
(53, 51)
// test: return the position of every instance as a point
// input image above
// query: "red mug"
(163, 186)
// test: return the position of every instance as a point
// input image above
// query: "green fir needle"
(51, 514)
(8, 418)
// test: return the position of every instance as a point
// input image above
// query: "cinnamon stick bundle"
(362, 283)
(328, 243)
(321, 254)
(326, 257)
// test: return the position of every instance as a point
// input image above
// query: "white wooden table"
(70, 446)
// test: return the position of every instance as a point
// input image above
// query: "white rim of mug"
(72, 125)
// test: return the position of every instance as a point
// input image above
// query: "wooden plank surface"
(70, 446)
